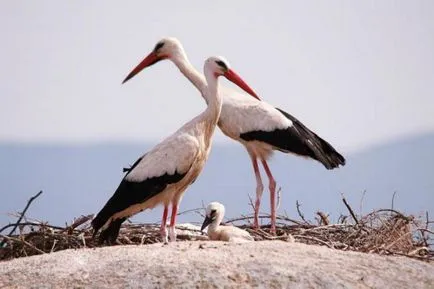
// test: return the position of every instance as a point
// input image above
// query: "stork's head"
(214, 214)
(166, 48)
(219, 66)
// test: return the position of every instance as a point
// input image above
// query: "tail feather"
(102, 217)
(325, 153)
(127, 195)
(110, 234)
(319, 149)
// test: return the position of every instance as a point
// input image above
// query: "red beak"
(152, 58)
(235, 78)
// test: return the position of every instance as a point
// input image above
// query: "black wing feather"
(127, 194)
(300, 140)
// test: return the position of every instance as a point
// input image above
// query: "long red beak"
(152, 58)
(235, 78)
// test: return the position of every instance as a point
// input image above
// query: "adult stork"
(259, 126)
(162, 175)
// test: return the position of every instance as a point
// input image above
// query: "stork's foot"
(164, 235)
(273, 226)
(256, 220)
(255, 225)
(172, 234)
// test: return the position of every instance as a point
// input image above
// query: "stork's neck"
(214, 226)
(212, 98)
(186, 68)
(210, 116)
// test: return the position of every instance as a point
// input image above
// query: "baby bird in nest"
(214, 215)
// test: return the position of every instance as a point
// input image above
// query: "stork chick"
(214, 215)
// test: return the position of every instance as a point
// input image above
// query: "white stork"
(163, 174)
(213, 217)
(259, 126)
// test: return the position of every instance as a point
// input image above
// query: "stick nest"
(384, 232)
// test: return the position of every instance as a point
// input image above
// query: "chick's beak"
(206, 222)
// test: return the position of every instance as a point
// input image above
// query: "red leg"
(163, 230)
(259, 190)
(172, 232)
(272, 187)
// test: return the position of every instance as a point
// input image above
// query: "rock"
(206, 264)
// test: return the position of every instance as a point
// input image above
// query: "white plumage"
(241, 114)
(163, 174)
(161, 159)
(259, 126)
(213, 217)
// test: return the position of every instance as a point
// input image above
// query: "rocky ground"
(206, 264)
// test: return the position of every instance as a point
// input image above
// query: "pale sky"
(357, 73)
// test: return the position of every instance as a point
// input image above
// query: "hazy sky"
(357, 73)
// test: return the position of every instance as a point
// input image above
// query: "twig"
(323, 217)
(393, 199)
(409, 218)
(278, 193)
(315, 228)
(417, 250)
(251, 204)
(78, 222)
(425, 230)
(142, 240)
(350, 210)
(83, 240)
(298, 205)
(407, 255)
(244, 218)
(21, 217)
(54, 244)
(313, 239)
(200, 214)
(361, 202)
(422, 233)
(188, 211)
(32, 224)
(253, 207)
(267, 236)
(342, 219)
(24, 242)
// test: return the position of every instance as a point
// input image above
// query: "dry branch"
(350, 210)
(21, 217)
(324, 218)
(298, 205)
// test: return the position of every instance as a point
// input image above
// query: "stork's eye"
(222, 64)
(213, 212)
(158, 46)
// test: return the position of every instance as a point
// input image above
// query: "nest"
(385, 232)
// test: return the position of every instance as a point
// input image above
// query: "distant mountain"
(79, 179)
